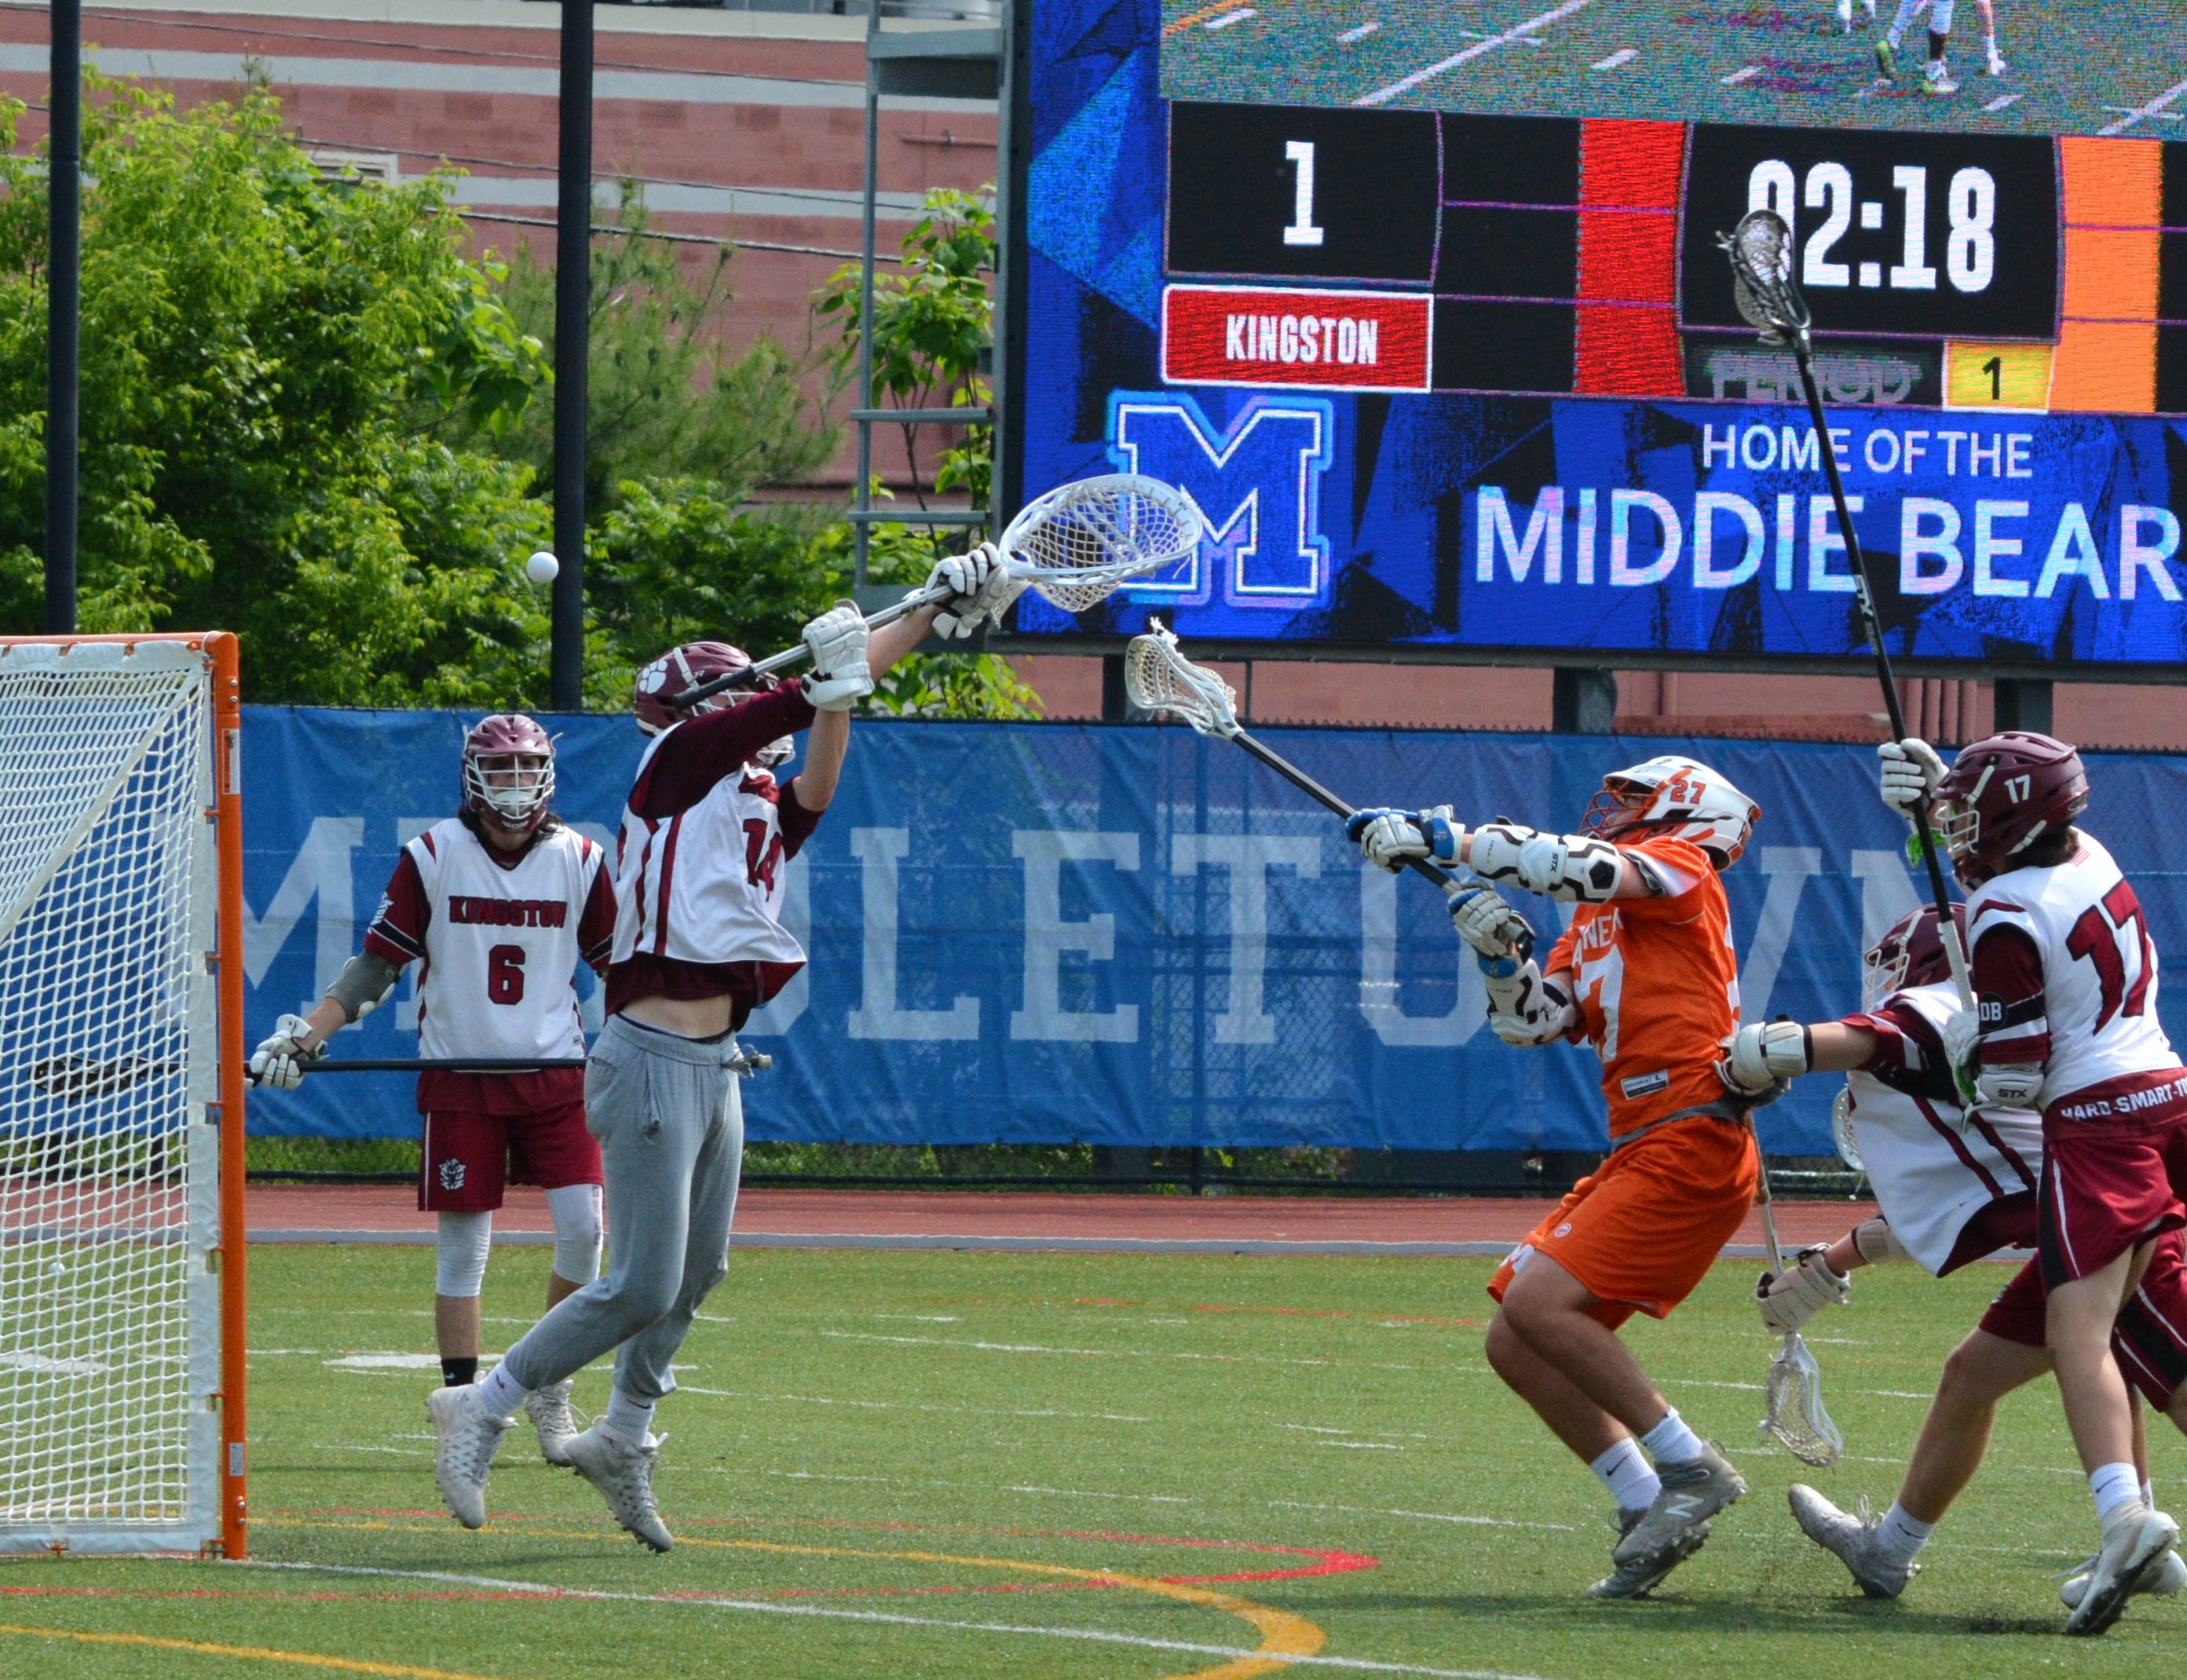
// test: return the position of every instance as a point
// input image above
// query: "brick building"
(748, 126)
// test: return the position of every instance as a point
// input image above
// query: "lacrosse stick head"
(1159, 677)
(1762, 285)
(1842, 1132)
(1078, 543)
(1796, 1416)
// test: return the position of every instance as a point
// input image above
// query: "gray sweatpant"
(670, 1125)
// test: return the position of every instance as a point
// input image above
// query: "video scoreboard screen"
(1425, 307)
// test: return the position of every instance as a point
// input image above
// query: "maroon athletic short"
(2149, 1340)
(469, 1156)
(2107, 1186)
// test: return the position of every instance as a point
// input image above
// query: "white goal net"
(111, 1427)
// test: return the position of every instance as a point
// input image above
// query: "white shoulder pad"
(1562, 866)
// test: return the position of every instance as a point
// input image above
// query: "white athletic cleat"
(555, 1419)
(2164, 1582)
(1678, 1522)
(622, 1470)
(1638, 1580)
(1851, 1539)
(2136, 1542)
(1936, 79)
(469, 1439)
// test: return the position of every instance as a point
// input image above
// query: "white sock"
(501, 1394)
(1670, 1442)
(2149, 1494)
(1624, 1471)
(632, 1419)
(1901, 1536)
(2114, 1486)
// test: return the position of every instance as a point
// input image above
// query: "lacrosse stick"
(1761, 251)
(1076, 546)
(1794, 1386)
(1158, 677)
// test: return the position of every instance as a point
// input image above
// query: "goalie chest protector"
(501, 945)
(706, 884)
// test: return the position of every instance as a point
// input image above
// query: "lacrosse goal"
(122, 1256)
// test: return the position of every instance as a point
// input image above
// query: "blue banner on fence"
(1043, 933)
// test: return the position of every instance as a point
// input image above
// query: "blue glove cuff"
(1442, 838)
(1497, 968)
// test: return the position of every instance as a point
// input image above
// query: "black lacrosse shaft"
(444, 1064)
(1939, 895)
(1305, 784)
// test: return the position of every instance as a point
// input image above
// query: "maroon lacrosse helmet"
(685, 667)
(2002, 795)
(508, 773)
(1911, 953)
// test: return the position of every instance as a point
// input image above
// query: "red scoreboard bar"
(1302, 337)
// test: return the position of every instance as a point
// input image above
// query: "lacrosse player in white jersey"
(1954, 1185)
(2064, 1022)
(699, 946)
(498, 905)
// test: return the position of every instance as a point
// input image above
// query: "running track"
(1093, 1223)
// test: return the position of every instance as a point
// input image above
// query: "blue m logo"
(1258, 483)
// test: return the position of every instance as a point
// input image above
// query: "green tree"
(933, 317)
(668, 398)
(271, 364)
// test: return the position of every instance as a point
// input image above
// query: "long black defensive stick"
(1761, 250)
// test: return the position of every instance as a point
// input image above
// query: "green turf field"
(885, 1459)
(2073, 66)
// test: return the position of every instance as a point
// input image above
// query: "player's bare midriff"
(685, 1017)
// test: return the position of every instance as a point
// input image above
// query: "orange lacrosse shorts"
(1641, 1231)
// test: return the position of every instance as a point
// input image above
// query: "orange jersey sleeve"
(1658, 987)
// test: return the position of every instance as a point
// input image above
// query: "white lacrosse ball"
(542, 567)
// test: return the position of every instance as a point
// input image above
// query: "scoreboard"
(1474, 379)
(1560, 255)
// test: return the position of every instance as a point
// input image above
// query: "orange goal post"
(121, 1095)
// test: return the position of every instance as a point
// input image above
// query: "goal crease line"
(1094, 1635)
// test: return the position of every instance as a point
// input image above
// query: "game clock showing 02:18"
(1938, 236)
(1482, 242)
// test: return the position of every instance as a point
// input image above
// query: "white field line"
(1747, 74)
(2001, 102)
(929, 1481)
(2168, 96)
(1098, 1636)
(1078, 1352)
(1229, 18)
(1382, 95)
(907, 1406)
(1419, 1516)
(1359, 34)
(1623, 55)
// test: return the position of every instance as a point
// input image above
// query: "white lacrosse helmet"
(1673, 796)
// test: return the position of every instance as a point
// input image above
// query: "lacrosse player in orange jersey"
(1648, 976)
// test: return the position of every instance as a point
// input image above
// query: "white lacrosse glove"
(837, 641)
(1764, 1056)
(1910, 770)
(1807, 1285)
(980, 590)
(279, 1061)
(1391, 839)
(1492, 927)
(2014, 1086)
(1524, 1008)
